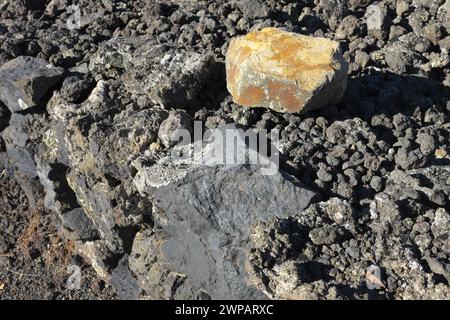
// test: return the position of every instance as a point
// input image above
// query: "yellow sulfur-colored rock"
(285, 71)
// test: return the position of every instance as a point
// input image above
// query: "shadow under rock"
(213, 93)
(387, 93)
(5, 115)
(375, 93)
(311, 271)
(353, 293)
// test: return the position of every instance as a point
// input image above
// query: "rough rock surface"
(311, 269)
(77, 223)
(22, 138)
(99, 178)
(284, 71)
(75, 180)
(169, 127)
(172, 78)
(203, 227)
(25, 81)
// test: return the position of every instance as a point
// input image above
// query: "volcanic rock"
(25, 81)
(78, 224)
(178, 120)
(22, 138)
(203, 224)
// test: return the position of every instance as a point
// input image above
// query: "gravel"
(378, 162)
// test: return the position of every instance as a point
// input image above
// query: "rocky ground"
(358, 210)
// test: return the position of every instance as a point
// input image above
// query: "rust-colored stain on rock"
(284, 94)
(280, 70)
(251, 94)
